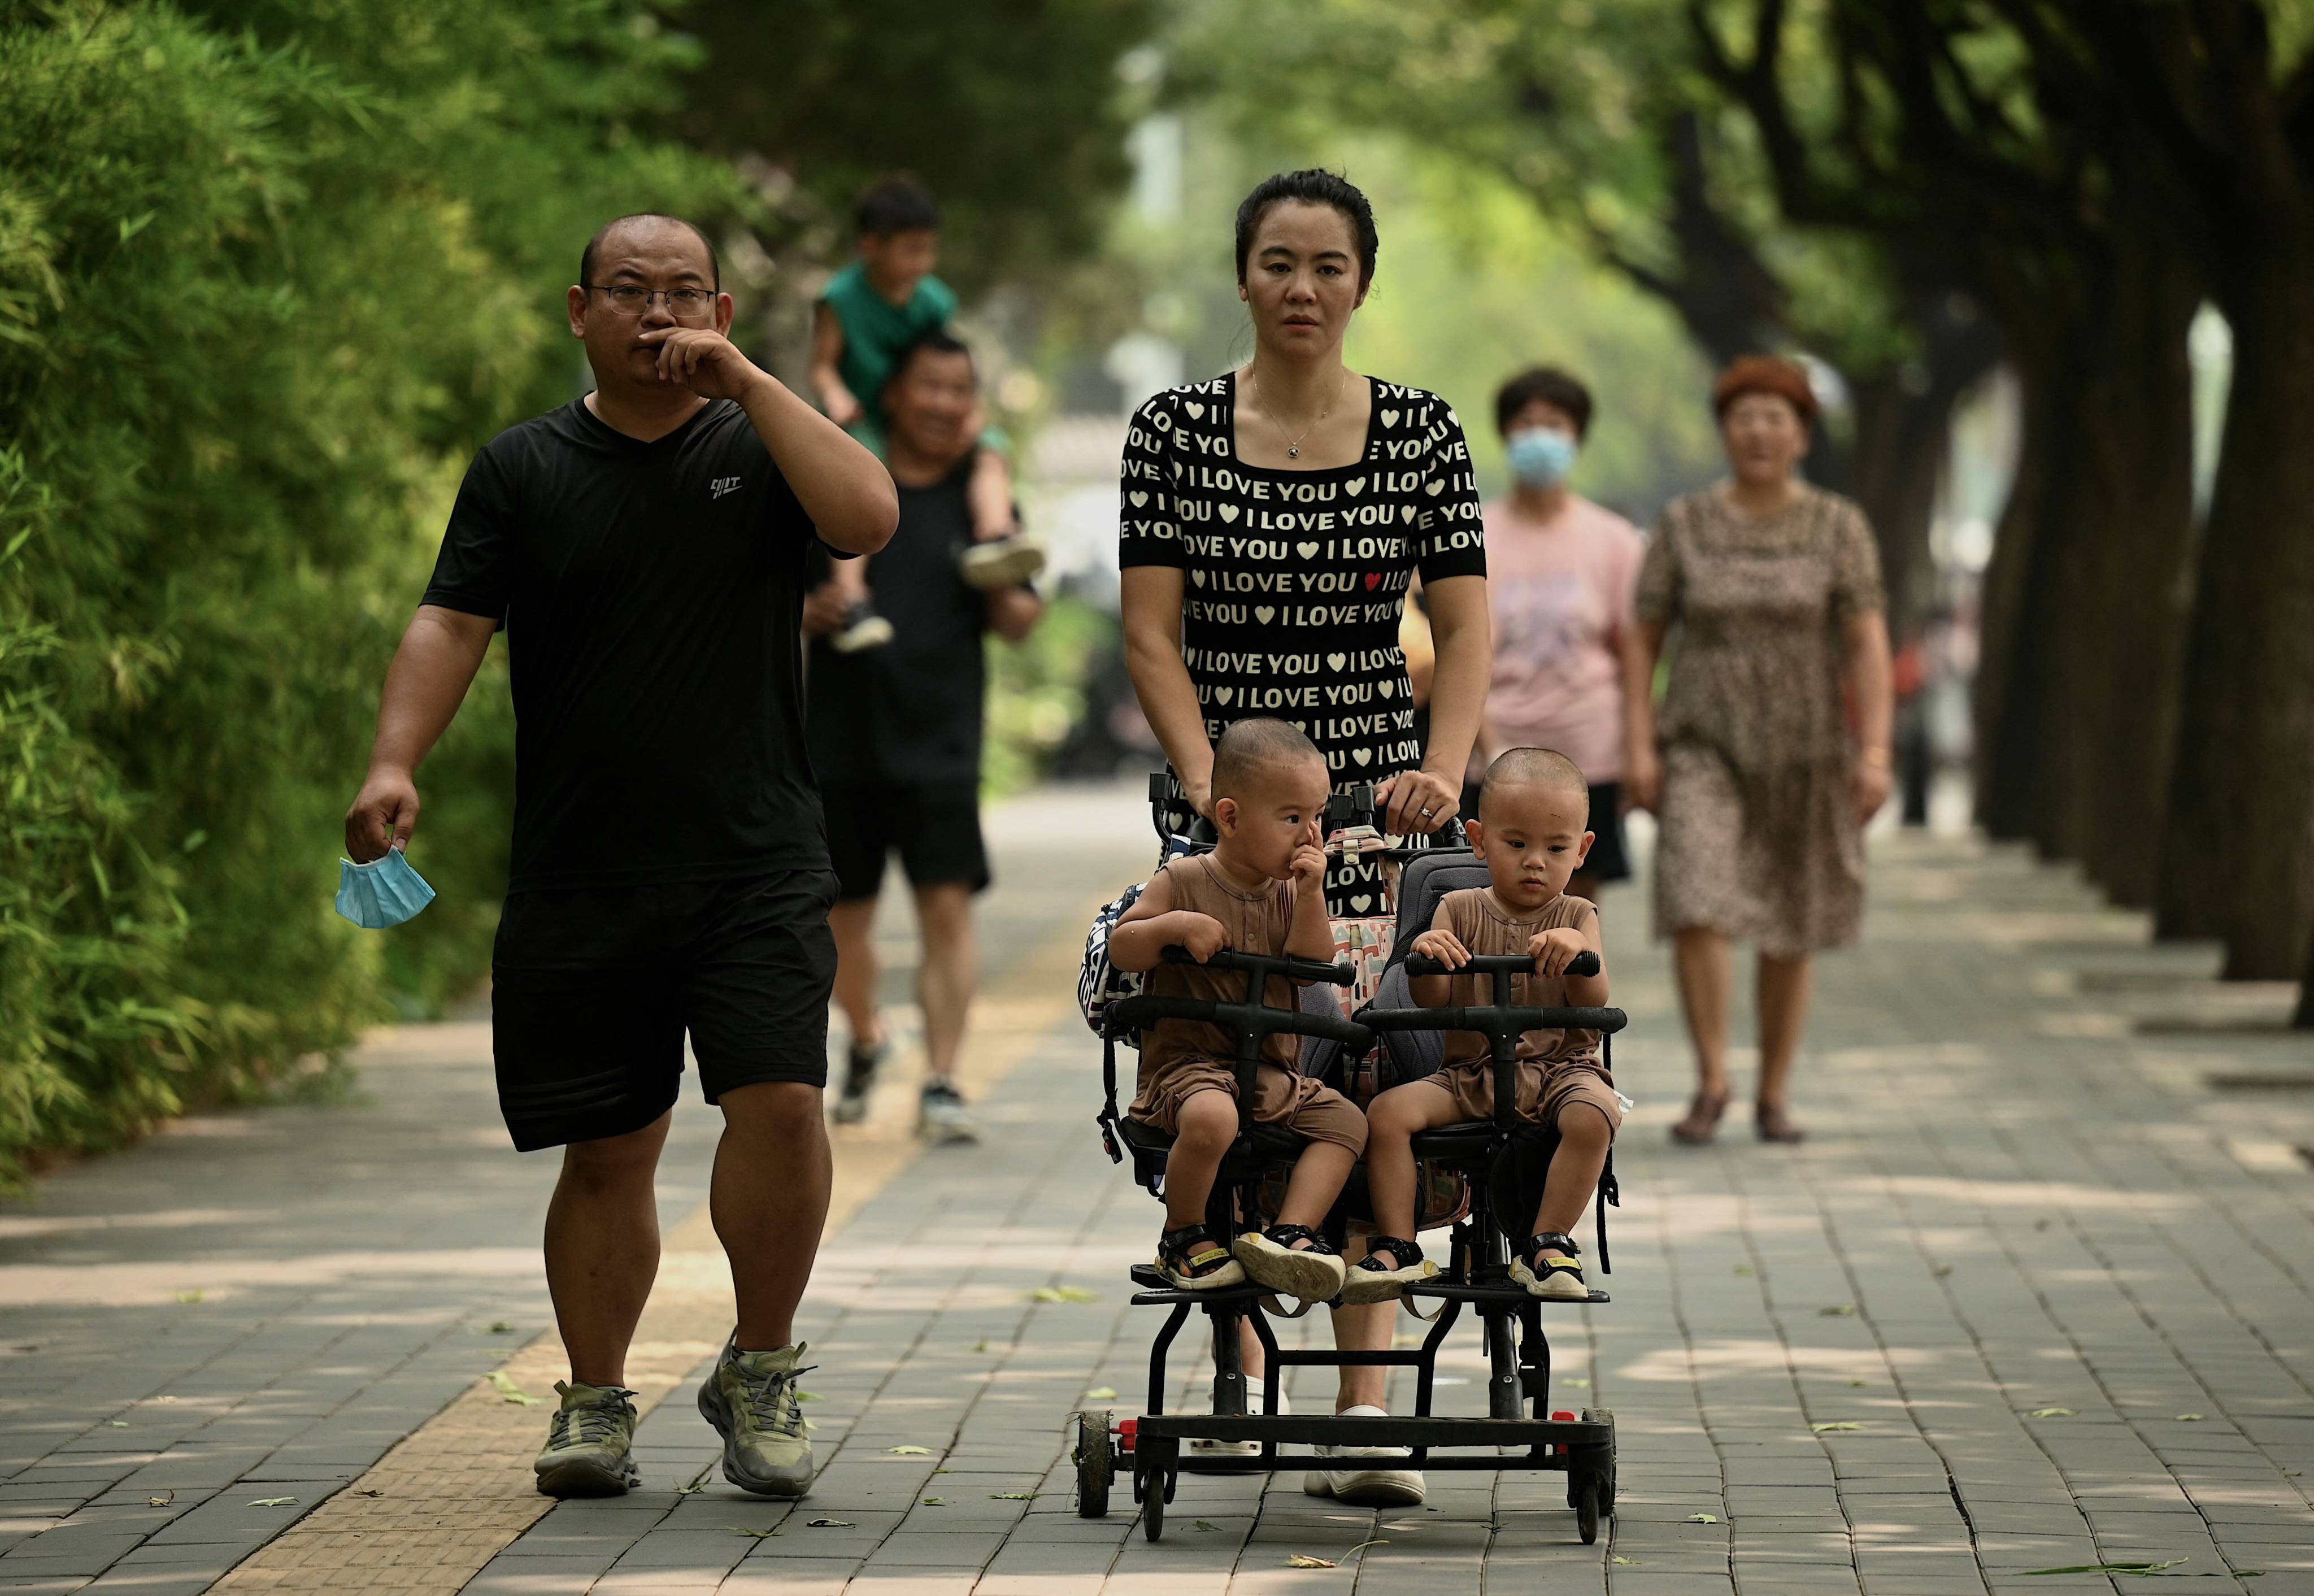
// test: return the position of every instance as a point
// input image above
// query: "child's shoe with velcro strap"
(1384, 1275)
(1314, 1272)
(1553, 1278)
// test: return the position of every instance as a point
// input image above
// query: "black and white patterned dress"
(1294, 579)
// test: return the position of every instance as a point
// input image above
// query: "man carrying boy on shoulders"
(896, 732)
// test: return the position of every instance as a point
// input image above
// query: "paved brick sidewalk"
(255, 1307)
(2057, 1281)
(2035, 1296)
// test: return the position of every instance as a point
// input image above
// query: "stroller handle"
(1294, 969)
(1585, 963)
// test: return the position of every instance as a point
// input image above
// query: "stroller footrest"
(1452, 1291)
(1314, 1429)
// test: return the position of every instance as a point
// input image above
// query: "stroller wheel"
(1095, 1457)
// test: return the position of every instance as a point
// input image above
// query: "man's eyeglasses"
(633, 299)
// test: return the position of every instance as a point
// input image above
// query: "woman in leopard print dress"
(1760, 785)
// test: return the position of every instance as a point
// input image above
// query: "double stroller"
(1483, 1178)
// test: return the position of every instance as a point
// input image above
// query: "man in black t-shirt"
(895, 732)
(644, 547)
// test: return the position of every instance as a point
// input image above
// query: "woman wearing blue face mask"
(1560, 571)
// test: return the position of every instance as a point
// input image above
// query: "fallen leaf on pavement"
(1837, 1311)
(160, 1500)
(2193, 1418)
(369, 1493)
(503, 1383)
(194, 1296)
(909, 1451)
(2137, 1568)
(1941, 1270)
(275, 1502)
(1835, 1425)
(1744, 1269)
(1062, 1293)
(1201, 1524)
(499, 1327)
(1627, 1562)
(935, 1501)
(1575, 1381)
(1100, 1394)
(2055, 1413)
(1297, 1560)
(1012, 1496)
(827, 1523)
(758, 1534)
(1702, 1518)
(117, 1424)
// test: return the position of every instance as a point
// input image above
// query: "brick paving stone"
(2017, 1196)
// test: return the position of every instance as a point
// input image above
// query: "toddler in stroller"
(1531, 834)
(1259, 892)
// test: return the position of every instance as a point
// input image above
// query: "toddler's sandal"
(1384, 1275)
(1313, 1274)
(1194, 1261)
(1556, 1280)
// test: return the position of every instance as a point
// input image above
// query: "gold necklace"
(1293, 444)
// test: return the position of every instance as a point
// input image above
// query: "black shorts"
(592, 989)
(936, 829)
(1609, 859)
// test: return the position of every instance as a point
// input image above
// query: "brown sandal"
(1774, 1124)
(1702, 1119)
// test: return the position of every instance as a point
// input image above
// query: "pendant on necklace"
(1294, 451)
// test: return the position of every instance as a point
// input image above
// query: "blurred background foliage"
(271, 270)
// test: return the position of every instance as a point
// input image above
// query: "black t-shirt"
(652, 594)
(909, 713)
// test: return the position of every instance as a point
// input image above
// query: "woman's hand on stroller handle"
(1585, 963)
(1296, 969)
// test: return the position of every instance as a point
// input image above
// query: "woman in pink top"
(1560, 571)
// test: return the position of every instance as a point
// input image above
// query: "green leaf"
(2193, 1418)
(503, 1383)
(1837, 1311)
(935, 1501)
(1101, 1394)
(758, 1534)
(1202, 1525)
(1702, 1518)
(1062, 1293)
(1627, 1562)
(909, 1451)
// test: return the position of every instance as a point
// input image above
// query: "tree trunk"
(2083, 626)
(1903, 435)
(2238, 859)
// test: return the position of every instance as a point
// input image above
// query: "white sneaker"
(945, 1116)
(1209, 1447)
(1365, 1487)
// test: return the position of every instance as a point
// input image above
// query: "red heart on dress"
(1374, 580)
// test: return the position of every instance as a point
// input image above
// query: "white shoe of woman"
(1206, 1446)
(1365, 1487)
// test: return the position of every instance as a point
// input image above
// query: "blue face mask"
(381, 893)
(1540, 457)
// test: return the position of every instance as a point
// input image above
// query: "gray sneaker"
(945, 1117)
(589, 1442)
(751, 1401)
